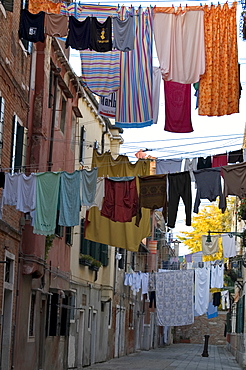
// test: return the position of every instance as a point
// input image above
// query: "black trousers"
(152, 299)
(179, 185)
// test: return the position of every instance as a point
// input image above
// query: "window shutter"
(240, 315)
(8, 5)
(104, 254)
(84, 243)
(95, 250)
(19, 147)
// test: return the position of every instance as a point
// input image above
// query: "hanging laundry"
(121, 199)
(179, 186)
(235, 180)
(216, 298)
(174, 298)
(179, 39)
(188, 257)
(47, 201)
(10, 191)
(209, 187)
(26, 193)
(71, 9)
(56, 25)
(217, 275)
(197, 257)
(202, 281)
(100, 193)
(191, 165)
(69, 199)
(210, 247)
(36, 6)
(124, 33)
(229, 245)
(196, 87)
(102, 230)
(145, 282)
(168, 166)
(78, 34)
(235, 156)
(101, 35)
(156, 93)
(31, 26)
(88, 186)
(219, 86)
(225, 299)
(134, 98)
(212, 311)
(219, 160)
(100, 71)
(152, 299)
(152, 194)
(107, 105)
(204, 162)
(177, 107)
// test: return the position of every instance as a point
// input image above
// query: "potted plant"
(95, 265)
(85, 259)
(242, 209)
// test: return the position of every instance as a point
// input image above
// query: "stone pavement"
(176, 356)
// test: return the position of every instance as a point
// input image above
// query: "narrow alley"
(177, 356)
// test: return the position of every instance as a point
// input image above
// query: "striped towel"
(134, 98)
(100, 71)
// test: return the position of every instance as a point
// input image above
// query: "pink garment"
(121, 200)
(181, 52)
(177, 107)
(219, 160)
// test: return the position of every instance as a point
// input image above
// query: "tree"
(209, 218)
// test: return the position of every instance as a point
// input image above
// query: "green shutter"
(104, 254)
(240, 315)
(8, 5)
(84, 243)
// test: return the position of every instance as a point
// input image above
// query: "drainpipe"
(53, 122)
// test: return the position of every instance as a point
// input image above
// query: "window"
(19, 145)
(52, 314)
(59, 230)
(121, 262)
(7, 270)
(2, 102)
(82, 144)
(72, 302)
(98, 251)
(133, 260)
(32, 314)
(69, 235)
(64, 317)
(57, 314)
(131, 316)
(63, 114)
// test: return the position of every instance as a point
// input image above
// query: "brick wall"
(202, 326)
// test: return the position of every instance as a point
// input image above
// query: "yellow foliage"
(209, 218)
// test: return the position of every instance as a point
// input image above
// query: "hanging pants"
(152, 299)
(179, 185)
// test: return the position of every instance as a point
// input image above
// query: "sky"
(211, 135)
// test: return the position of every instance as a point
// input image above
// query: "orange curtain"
(219, 86)
(36, 6)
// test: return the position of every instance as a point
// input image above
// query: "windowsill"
(31, 339)
(3, 10)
